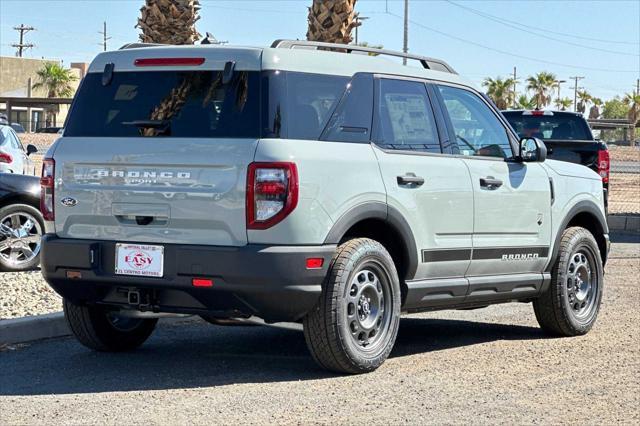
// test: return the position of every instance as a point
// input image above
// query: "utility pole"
(575, 92)
(515, 76)
(21, 46)
(405, 47)
(358, 20)
(104, 36)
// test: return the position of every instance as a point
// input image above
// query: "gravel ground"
(24, 294)
(485, 366)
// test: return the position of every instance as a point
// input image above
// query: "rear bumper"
(271, 282)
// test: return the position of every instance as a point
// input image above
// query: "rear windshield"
(557, 126)
(193, 104)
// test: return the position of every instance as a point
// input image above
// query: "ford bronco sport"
(296, 183)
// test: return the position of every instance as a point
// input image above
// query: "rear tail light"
(603, 165)
(5, 158)
(272, 193)
(47, 189)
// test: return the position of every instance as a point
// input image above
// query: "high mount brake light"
(47, 183)
(168, 62)
(537, 113)
(604, 165)
(272, 193)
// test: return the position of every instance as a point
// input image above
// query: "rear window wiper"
(149, 124)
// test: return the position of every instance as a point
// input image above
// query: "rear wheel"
(571, 304)
(102, 330)
(353, 327)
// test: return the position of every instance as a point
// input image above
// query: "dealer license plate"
(139, 260)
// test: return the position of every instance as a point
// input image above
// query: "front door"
(512, 221)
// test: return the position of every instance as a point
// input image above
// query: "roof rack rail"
(426, 62)
(137, 45)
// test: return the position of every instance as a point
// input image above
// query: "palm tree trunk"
(169, 21)
(332, 21)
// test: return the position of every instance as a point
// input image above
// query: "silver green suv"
(307, 182)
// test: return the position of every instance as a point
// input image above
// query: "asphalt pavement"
(492, 365)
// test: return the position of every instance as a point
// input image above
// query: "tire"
(26, 247)
(98, 329)
(571, 304)
(346, 332)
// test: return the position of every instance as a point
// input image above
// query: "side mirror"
(532, 150)
(31, 149)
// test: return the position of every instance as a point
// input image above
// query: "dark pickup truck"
(567, 136)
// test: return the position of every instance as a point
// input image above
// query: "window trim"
(511, 137)
(376, 101)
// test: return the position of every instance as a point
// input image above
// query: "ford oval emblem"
(69, 202)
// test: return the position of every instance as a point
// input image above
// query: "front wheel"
(571, 304)
(353, 327)
(103, 330)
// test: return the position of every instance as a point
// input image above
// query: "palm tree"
(332, 21)
(594, 112)
(541, 85)
(584, 98)
(56, 80)
(563, 103)
(500, 91)
(523, 102)
(169, 21)
(632, 100)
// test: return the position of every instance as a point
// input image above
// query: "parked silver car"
(14, 158)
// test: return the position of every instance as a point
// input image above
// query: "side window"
(404, 117)
(311, 98)
(352, 119)
(478, 131)
(15, 141)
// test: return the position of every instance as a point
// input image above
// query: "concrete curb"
(624, 222)
(27, 329)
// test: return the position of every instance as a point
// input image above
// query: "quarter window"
(478, 131)
(404, 118)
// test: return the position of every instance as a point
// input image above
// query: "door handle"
(410, 179)
(490, 182)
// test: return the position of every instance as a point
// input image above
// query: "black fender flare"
(584, 206)
(386, 213)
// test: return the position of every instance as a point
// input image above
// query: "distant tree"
(541, 85)
(594, 112)
(500, 91)
(374, 46)
(524, 102)
(563, 104)
(583, 99)
(615, 108)
(632, 101)
(56, 80)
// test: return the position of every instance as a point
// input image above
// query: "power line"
(21, 46)
(515, 55)
(514, 26)
(486, 15)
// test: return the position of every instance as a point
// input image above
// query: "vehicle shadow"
(203, 355)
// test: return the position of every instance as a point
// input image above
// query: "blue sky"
(599, 40)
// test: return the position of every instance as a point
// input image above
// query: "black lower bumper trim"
(271, 282)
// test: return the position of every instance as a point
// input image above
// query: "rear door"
(512, 221)
(432, 190)
(158, 155)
